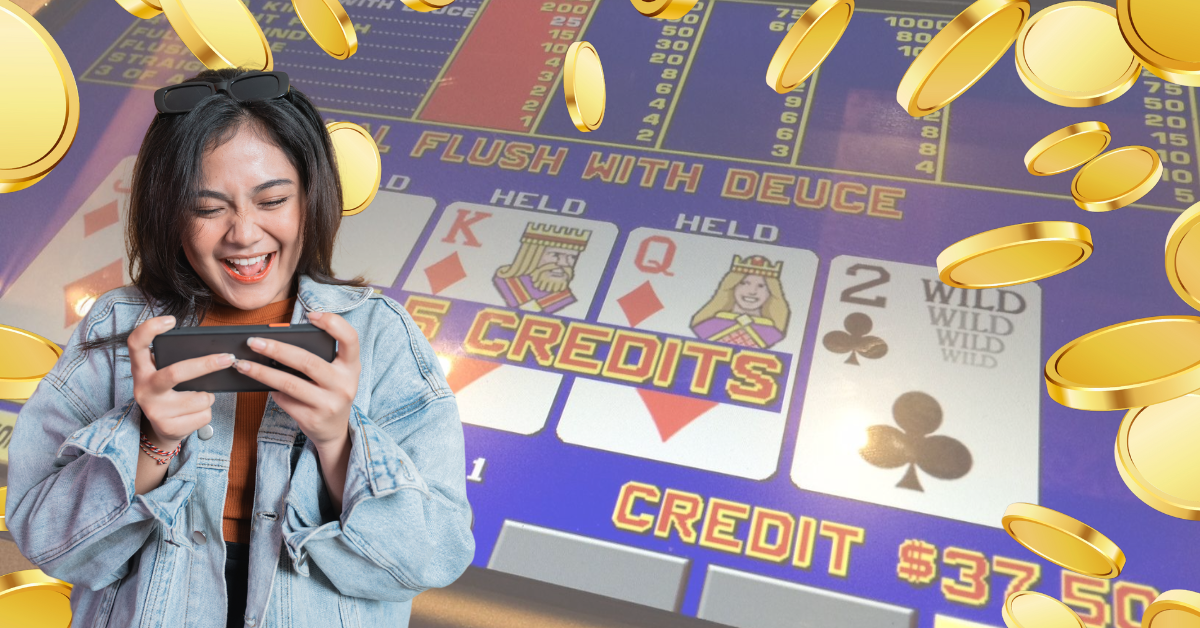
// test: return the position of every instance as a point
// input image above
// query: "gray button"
(747, 600)
(625, 573)
(199, 537)
(205, 432)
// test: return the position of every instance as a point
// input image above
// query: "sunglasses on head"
(248, 87)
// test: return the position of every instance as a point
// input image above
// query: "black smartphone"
(193, 342)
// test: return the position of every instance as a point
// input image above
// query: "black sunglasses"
(249, 87)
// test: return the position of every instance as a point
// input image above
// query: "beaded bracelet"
(150, 450)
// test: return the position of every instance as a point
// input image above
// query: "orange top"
(243, 460)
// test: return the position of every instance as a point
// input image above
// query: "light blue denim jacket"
(137, 560)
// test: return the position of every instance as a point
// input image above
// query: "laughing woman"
(330, 502)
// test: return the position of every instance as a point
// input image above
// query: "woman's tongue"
(252, 269)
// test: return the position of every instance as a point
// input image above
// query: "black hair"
(167, 177)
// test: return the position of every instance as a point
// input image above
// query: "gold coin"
(1067, 148)
(960, 54)
(1072, 54)
(1128, 365)
(31, 598)
(663, 9)
(1156, 455)
(1062, 540)
(144, 9)
(426, 5)
(25, 358)
(221, 33)
(1162, 33)
(807, 44)
(1014, 254)
(359, 165)
(1183, 256)
(3, 495)
(39, 103)
(1117, 178)
(583, 85)
(329, 25)
(1030, 609)
(1176, 608)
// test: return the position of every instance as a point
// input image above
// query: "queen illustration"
(748, 308)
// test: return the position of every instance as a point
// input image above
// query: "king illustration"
(748, 308)
(539, 277)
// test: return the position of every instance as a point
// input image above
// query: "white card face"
(85, 259)
(515, 259)
(922, 396)
(502, 396)
(377, 242)
(745, 296)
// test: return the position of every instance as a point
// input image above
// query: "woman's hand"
(321, 407)
(171, 415)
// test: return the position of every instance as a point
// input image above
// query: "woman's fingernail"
(315, 316)
(256, 343)
(242, 366)
(228, 359)
(169, 321)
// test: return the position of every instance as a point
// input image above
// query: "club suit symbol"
(919, 416)
(855, 340)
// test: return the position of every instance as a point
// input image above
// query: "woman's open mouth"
(249, 270)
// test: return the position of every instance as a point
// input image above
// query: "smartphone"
(193, 342)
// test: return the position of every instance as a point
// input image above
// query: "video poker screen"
(843, 456)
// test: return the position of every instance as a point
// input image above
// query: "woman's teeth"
(247, 266)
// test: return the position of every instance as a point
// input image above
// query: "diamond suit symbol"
(445, 273)
(640, 303)
(672, 413)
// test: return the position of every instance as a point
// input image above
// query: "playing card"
(513, 258)
(377, 242)
(922, 396)
(85, 259)
(502, 396)
(708, 294)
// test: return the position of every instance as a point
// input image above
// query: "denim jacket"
(157, 559)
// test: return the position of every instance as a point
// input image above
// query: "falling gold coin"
(1127, 365)
(1072, 54)
(1014, 254)
(807, 44)
(221, 33)
(1162, 33)
(663, 9)
(1117, 178)
(1156, 455)
(1067, 148)
(1176, 608)
(25, 358)
(1030, 609)
(39, 103)
(144, 9)
(329, 25)
(1183, 256)
(31, 598)
(426, 5)
(960, 54)
(583, 85)
(1062, 540)
(359, 165)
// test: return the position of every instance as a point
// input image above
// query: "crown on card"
(756, 265)
(560, 237)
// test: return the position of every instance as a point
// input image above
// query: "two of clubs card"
(923, 396)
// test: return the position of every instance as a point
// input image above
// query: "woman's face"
(751, 292)
(250, 205)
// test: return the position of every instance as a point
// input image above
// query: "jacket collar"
(320, 297)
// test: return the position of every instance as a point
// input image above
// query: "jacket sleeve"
(405, 524)
(71, 506)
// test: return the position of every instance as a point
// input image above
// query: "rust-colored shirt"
(243, 460)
